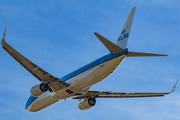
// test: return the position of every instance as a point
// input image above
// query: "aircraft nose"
(30, 104)
(31, 108)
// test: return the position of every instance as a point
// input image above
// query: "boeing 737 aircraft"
(76, 85)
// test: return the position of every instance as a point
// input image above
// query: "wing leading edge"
(34, 69)
(108, 94)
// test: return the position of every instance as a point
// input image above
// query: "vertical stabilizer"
(124, 35)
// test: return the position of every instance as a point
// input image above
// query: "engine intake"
(38, 89)
(86, 103)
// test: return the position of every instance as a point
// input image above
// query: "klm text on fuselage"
(123, 35)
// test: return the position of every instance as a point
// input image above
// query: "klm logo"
(123, 35)
(123, 31)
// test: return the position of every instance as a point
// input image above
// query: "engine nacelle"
(38, 89)
(86, 103)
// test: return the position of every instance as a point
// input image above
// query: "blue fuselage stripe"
(91, 65)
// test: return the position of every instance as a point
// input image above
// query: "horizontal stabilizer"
(138, 54)
(113, 48)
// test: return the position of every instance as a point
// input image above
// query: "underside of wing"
(108, 94)
(34, 69)
(129, 95)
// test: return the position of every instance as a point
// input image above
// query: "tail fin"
(124, 35)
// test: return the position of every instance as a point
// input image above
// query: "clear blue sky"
(58, 36)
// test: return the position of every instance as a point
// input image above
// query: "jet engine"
(86, 103)
(38, 89)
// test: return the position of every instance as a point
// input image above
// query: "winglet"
(113, 48)
(174, 86)
(3, 38)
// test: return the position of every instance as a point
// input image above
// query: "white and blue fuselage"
(76, 85)
(81, 80)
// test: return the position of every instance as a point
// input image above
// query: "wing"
(108, 94)
(34, 69)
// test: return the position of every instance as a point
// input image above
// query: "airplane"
(77, 84)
